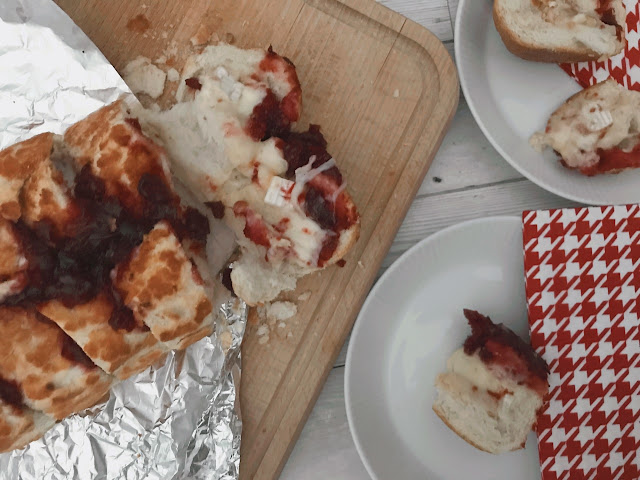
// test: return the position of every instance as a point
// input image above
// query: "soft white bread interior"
(561, 30)
(487, 409)
(600, 118)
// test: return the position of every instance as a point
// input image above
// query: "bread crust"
(443, 417)
(535, 53)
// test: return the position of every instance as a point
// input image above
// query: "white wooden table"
(468, 179)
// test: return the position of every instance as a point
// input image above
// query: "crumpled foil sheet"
(177, 420)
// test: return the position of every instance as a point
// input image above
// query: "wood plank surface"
(384, 89)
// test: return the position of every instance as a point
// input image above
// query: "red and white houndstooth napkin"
(624, 67)
(582, 269)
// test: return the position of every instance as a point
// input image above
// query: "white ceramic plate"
(410, 324)
(511, 99)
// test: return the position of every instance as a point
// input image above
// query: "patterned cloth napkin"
(582, 269)
(624, 67)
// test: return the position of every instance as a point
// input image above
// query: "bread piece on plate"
(53, 373)
(493, 388)
(595, 131)
(560, 31)
(281, 192)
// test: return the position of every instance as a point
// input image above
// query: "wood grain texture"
(384, 89)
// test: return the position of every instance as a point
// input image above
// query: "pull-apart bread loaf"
(106, 257)
(231, 140)
(493, 389)
(98, 277)
(595, 131)
(561, 30)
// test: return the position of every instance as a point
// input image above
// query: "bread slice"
(493, 388)
(596, 130)
(560, 31)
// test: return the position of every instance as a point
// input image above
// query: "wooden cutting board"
(384, 90)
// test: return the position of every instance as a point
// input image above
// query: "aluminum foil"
(180, 419)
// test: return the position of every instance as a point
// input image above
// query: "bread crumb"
(273, 316)
(263, 340)
(303, 297)
(144, 77)
(173, 75)
(161, 59)
(172, 49)
(396, 93)
(279, 310)
(360, 264)
(164, 35)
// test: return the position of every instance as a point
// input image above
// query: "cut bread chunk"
(99, 255)
(110, 142)
(46, 198)
(52, 373)
(493, 388)
(561, 30)
(230, 141)
(596, 130)
(97, 327)
(20, 425)
(165, 291)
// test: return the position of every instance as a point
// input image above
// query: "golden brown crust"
(165, 290)
(115, 351)
(17, 427)
(32, 355)
(16, 165)
(46, 197)
(118, 152)
(12, 260)
(538, 54)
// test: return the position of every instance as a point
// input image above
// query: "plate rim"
(464, 82)
(373, 293)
